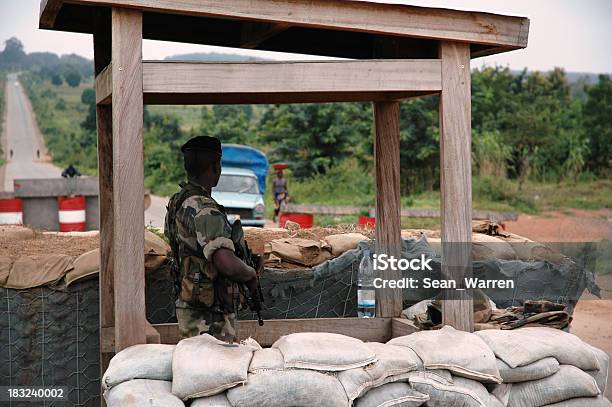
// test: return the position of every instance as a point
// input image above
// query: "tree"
(597, 119)
(56, 80)
(88, 98)
(13, 55)
(73, 79)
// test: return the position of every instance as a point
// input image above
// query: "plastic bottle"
(366, 293)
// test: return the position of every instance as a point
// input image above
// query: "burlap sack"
(524, 346)
(600, 375)
(86, 266)
(599, 401)
(288, 388)
(156, 251)
(205, 366)
(5, 269)
(267, 359)
(218, 400)
(460, 392)
(533, 371)
(304, 252)
(34, 271)
(528, 250)
(147, 361)
(462, 353)
(142, 392)
(343, 242)
(323, 351)
(392, 364)
(568, 383)
(483, 247)
(16, 232)
(392, 394)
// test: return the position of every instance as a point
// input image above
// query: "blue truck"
(242, 184)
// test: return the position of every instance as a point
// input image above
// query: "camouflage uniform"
(202, 227)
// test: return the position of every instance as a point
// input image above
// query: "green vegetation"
(539, 141)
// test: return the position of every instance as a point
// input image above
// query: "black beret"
(203, 143)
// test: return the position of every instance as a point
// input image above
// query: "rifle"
(254, 300)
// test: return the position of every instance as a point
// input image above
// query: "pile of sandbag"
(296, 251)
(530, 367)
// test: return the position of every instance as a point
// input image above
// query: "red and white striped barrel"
(11, 212)
(71, 213)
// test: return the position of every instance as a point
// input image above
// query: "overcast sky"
(573, 34)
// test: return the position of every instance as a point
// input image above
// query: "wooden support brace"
(388, 219)
(128, 179)
(456, 182)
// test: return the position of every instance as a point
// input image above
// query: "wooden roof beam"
(508, 32)
(287, 82)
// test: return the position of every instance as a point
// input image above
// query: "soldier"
(204, 243)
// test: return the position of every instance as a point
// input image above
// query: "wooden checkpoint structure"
(392, 52)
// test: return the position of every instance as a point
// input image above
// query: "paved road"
(22, 137)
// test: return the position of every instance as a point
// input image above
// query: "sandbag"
(600, 375)
(584, 402)
(5, 269)
(483, 247)
(218, 400)
(155, 251)
(267, 359)
(343, 242)
(528, 345)
(87, 265)
(16, 232)
(204, 366)
(142, 392)
(533, 371)
(295, 250)
(528, 250)
(392, 394)
(287, 388)
(462, 353)
(34, 271)
(392, 364)
(150, 361)
(460, 392)
(323, 351)
(569, 382)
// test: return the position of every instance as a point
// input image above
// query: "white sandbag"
(267, 359)
(142, 392)
(600, 375)
(461, 392)
(392, 364)
(584, 402)
(218, 400)
(150, 361)
(204, 366)
(520, 347)
(287, 388)
(392, 394)
(343, 242)
(533, 371)
(501, 392)
(568, 383)
(463, 353)
(323, 351)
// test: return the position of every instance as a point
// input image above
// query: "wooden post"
(456, 182)
(128, 179)
(102, 57)
(388, 220)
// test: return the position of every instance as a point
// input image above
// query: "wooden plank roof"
(339, 28)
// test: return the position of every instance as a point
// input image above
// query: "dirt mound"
(47, 243)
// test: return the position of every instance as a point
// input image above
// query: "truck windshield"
(237, 183)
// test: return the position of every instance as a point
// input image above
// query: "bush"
(501, 190)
